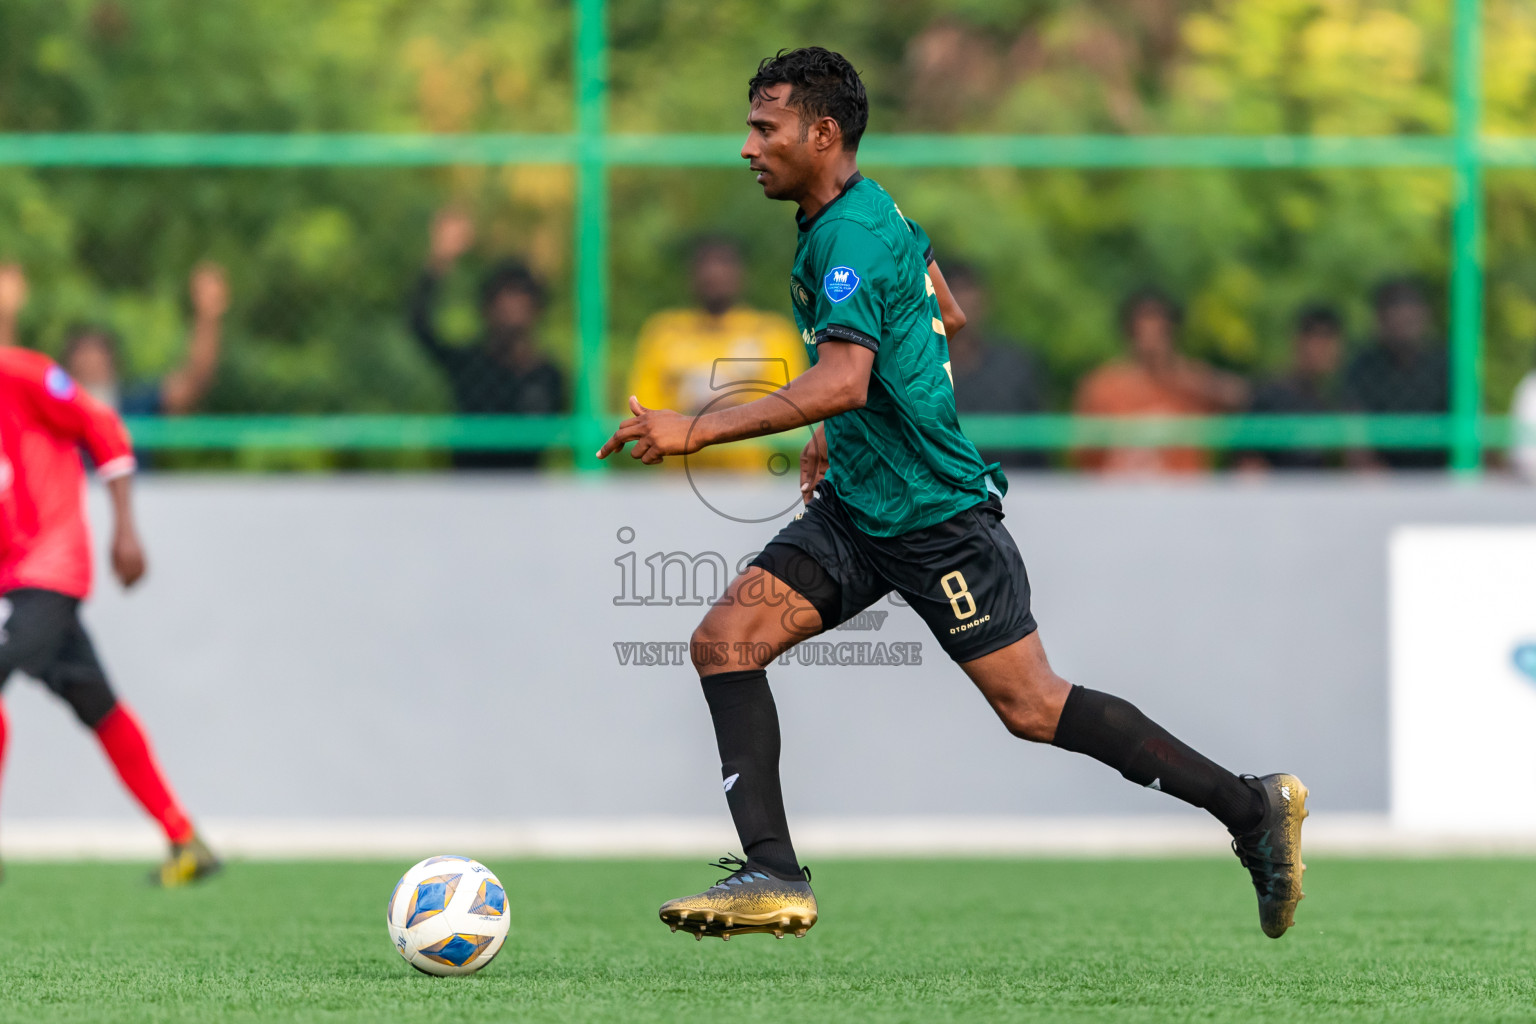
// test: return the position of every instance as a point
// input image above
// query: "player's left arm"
(953, 316)
(949, 309)
(128, 561)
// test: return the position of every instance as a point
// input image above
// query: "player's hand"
(813, 464)
(656, 433)
(128, 562)
(452, 234)
(13, 290)
(210, 291)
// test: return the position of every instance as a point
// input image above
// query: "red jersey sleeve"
(64, 408)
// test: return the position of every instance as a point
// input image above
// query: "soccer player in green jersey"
(896, 499)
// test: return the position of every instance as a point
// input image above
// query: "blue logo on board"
(59, 384)
(1524, 658)
(840, 283)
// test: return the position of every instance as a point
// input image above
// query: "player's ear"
(826, 133)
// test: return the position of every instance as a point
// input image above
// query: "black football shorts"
(41, 634)
(964, 576)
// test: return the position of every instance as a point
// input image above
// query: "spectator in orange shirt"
(1154, 379)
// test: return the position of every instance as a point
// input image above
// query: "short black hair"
(78, 333)
(705, 245)
(510, 276)
(1395, 291)
(1150, 297)
(1319, 318)
(822, 84)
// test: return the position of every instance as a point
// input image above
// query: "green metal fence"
(1464, 431)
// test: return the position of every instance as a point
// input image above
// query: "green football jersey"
(861, 275)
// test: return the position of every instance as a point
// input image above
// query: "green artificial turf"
(898, 940)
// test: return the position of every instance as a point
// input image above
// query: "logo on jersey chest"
(802, 296)
(840, 283)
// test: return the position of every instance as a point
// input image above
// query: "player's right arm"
(838, 383)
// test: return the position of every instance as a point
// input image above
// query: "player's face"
(776, 150)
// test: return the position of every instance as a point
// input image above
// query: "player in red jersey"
(45, 572)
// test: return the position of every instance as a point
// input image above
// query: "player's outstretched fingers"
(627, 432)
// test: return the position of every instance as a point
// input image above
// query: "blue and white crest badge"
(840, 283)
(59, 384)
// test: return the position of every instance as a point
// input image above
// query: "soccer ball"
(448, 915)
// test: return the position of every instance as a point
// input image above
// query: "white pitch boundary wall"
(399, 664)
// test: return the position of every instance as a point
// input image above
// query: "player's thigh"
(759, 617)
(33, 627)
(965, 578)
(76, 676)
(808, 579)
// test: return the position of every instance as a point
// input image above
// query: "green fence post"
(1466, 353)
(591, 231)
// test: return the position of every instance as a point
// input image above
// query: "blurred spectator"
(1154, 379)
(1309, 385)
(992, 373)
(1522, 415)
(92, 353)
(13, 296)
(1402, 369)
(686, 359)
(504, 372)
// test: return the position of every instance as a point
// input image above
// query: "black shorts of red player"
(41, 634)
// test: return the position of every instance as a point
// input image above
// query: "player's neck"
(828, 186)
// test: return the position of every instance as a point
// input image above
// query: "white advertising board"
(1463, 677)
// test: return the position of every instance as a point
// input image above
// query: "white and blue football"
(448, 915)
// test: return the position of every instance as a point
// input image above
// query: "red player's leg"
(123, 738)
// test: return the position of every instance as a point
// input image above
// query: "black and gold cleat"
(189, 862)
(746, 900)
(1271, 851)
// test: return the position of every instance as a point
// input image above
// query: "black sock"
(747, 732)
(1115, 732)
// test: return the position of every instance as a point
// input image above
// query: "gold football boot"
(189, 862)
(746, 900)
(1271, 851)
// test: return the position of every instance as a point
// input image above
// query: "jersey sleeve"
(924, 243)
(853, 296)
(62, 407)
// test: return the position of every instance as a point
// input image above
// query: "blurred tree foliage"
(320, 259)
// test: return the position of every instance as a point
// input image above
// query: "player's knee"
(1028, 722)
(1031, 713)
(705, 647)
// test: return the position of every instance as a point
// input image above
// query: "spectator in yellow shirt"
(687, 359)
